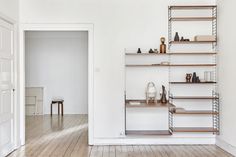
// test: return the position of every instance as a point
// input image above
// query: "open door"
(6, 88)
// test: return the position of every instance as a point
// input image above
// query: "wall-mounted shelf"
(145, 54)
(194, 129)
(170, 53)
(148, 132)
(147, 65)
(192, 53)
(189, 65)
(192, 7)
(192, 18)
(191, 42)
(192, 112)
(143, 104)
(169, 65)
(192, 83)
(194, 97)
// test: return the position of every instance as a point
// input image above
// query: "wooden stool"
(60, 103)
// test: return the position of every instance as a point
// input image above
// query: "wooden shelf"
(170, 53)
(148, 65)
(148, 132)
(192, 53)
(194, 129)
(145, 54)
(192, 18)
(192, 42)
(191, 7)
(143, 104)
(192, 83)
(188, 65)
(166, 65)
(196, 112)
(193, 97)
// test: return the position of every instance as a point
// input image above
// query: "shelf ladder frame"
(215, 102)
(216, 109)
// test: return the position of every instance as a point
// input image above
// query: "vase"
(163, 45)
(176, 36)
(163, 95)
(194, 77)
(139, 50)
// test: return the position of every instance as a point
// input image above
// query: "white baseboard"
(226, 146)
(155, 141)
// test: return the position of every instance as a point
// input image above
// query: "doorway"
(51, 75)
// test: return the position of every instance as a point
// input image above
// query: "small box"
(205, 38)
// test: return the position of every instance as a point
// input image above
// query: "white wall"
(58, 61)
(117, 25)
(227, 74)
(10, 8)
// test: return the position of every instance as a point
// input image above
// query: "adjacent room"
(147, 78)
(56, 74)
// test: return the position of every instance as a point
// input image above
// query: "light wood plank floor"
(67, 137)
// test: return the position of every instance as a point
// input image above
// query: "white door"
(6, 88)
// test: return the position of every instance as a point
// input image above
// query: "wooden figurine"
(163, 45)
(188, 77)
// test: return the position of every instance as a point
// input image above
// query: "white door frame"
(15, 106)
(21, 71)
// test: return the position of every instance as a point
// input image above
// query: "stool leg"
(58, 108)
(51, 109)
(62, 108)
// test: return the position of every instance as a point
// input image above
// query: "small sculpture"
(151, 51)
(155, 51)
(183, 39)
(188, 77)
(139, 50)
(151, 93)
(176, 36)
(198, 79)
(163, 45)
(163, 95)
(194, 78)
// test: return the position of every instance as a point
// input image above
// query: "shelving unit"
(141, 104)
(214, 99)
(172, 108)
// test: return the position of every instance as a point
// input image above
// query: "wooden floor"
(67, 137)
